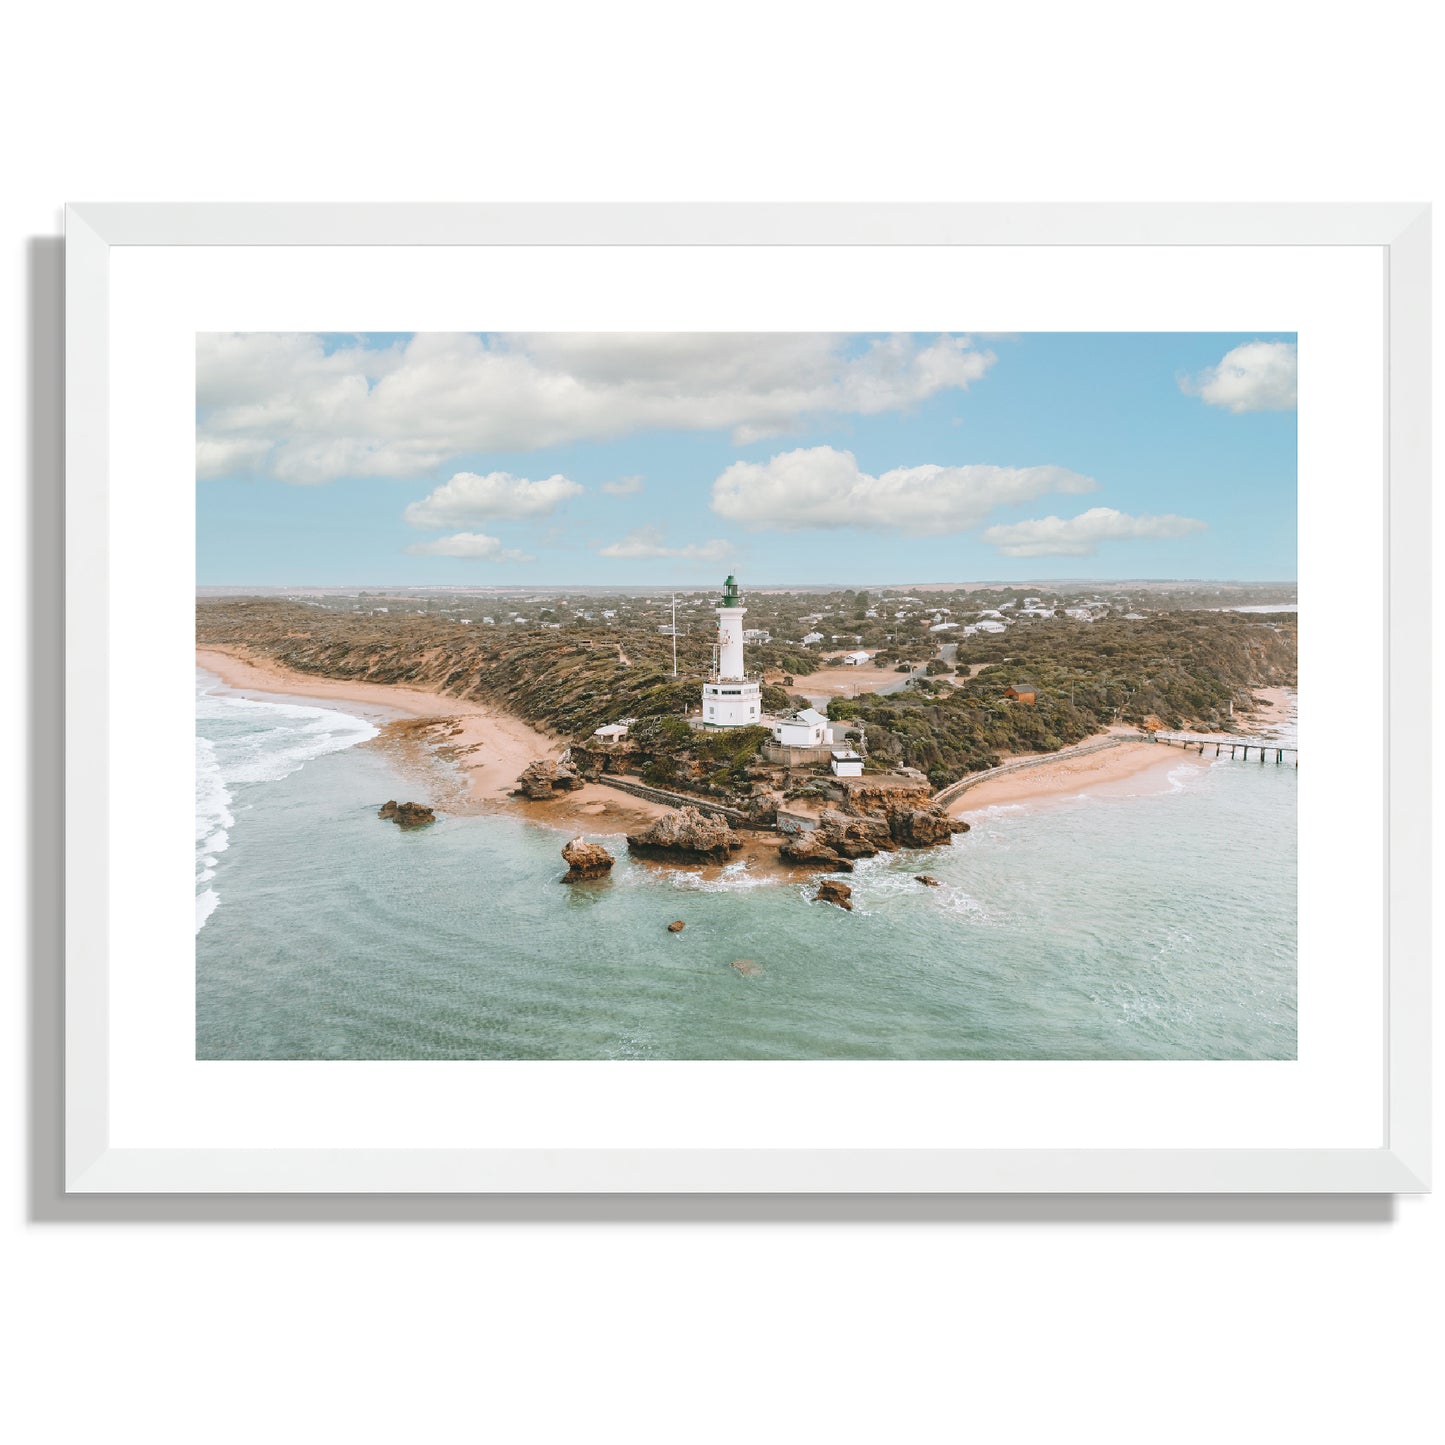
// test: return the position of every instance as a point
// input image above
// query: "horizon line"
(694, 586)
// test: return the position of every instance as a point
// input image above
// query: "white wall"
(999, 1323)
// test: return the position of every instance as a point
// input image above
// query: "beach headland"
(489, 748)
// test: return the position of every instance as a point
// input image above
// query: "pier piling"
(1236, 749)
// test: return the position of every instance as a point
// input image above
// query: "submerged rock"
(586, 860)
(406, 815)
(831, 891)
(676, 926)
(747, 968)
(546, 776)
(686, 835)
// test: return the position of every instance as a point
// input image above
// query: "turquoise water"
(1149, 927)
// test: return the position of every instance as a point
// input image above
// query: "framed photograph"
(751, 699)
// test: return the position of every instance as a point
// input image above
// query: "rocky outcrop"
(924, 827)
(763, 806)
(407, 815)
(882, 796)
(862, 837)
(907, 808)
(813, 851)
(676, 926)
(686, 835)
(586, 860)
(837, 839)
(593, 758)
(927, 879)
(840, 837)
(832, 891)
(546, 777)
(587, 764)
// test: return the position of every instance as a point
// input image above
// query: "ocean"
(1093, 927)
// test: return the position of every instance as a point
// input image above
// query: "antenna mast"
(674, 634)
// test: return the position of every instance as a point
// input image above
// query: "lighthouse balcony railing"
(715, 679)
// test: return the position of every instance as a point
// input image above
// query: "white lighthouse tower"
(731, 699)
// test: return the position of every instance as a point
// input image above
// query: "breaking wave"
(241, 741)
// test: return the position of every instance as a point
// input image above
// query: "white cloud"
(308, 415)
(1080, 536)
(647, 542)
(469, 497)
(229, 456)
(623, 487)
(823, 487)
(475, 545)
(1257, 376)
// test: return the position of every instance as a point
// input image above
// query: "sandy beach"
(1129, 769)
(1279, 702)
(488, 746)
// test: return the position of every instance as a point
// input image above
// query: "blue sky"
(650, 460)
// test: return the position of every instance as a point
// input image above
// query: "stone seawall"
(1019, 765)
(734, 816)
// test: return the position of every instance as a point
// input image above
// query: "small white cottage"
(847, 763)
(806, 729)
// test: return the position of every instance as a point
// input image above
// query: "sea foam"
(240, 741)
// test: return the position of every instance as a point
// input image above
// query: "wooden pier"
(1233, 747)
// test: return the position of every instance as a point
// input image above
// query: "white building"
(854, 659)
(846, 763)
(730, 698)
(757, 634)
(811, 638)
(806, 729)
(612, 733)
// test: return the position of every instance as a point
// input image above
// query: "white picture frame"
(93, 1165)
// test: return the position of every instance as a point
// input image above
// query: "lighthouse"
(730, 698)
